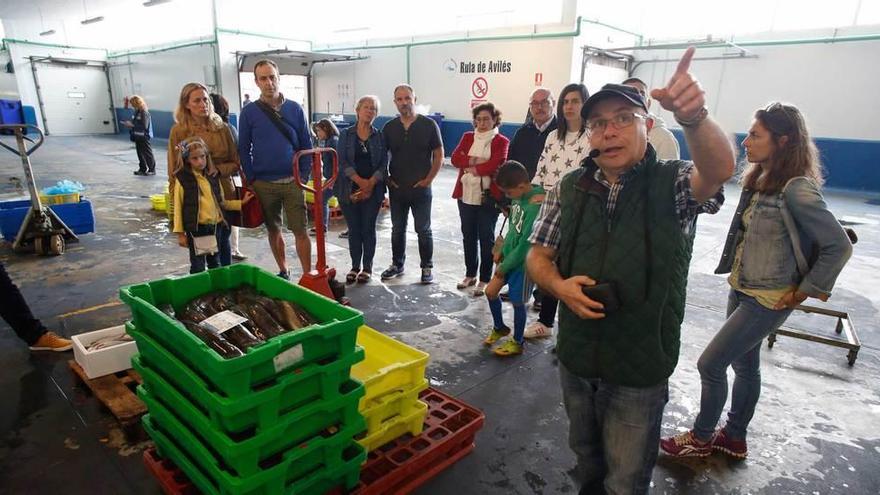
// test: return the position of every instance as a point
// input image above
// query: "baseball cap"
(613, 90)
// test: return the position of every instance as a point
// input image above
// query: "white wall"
(158, 76)
(835, 85)
(8, 85)
(435, 74)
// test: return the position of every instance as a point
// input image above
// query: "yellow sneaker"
(50, 341)
(509, 348)
(495, 335)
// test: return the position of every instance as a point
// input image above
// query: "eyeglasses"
(539, 104)
(619, 121)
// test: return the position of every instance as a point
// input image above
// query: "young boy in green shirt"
(513, 179)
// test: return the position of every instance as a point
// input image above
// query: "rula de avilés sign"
(491, 66)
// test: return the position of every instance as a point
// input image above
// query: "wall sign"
(480, 88)
(539, 78)
(492, 66)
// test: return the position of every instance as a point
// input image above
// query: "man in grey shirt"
(416, 152)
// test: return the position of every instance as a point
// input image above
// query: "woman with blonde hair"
(784, 246)
(195, 117)
(140, 131)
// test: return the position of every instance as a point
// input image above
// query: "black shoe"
(284, 275)
(151, 172)
(139, 172)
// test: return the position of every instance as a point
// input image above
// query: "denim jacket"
(348, 140)
(768, 259)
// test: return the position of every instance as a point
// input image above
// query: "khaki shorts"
(273, 196)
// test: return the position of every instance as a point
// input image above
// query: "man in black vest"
(622, 228)
(528, 142)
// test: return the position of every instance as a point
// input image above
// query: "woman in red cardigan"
(477, 157)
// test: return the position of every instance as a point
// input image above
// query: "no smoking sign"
(480, 88)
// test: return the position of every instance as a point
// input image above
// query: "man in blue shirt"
(270, 132)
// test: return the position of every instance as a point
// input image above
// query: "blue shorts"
(519, 286)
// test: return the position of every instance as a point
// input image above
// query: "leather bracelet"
(701, 116)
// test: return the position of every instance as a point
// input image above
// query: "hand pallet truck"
(323, 278)
(41, 231)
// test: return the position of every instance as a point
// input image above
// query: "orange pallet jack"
(323, 278)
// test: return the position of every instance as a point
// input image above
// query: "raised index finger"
(685, 63)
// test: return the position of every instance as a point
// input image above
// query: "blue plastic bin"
(78, 216)
(10, 112)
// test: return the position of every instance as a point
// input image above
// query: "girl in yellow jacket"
(199, 200)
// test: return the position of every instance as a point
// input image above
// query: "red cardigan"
(460, 160)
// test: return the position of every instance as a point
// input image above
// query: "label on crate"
(223, 321)
(288, 358)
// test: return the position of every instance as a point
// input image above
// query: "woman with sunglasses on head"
(564, 150)
(196, 116)
(784, 246)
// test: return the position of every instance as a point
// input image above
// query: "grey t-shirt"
(411, 149)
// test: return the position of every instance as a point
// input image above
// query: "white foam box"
(100, 362)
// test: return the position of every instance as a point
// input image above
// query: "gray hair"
(362, 99)
(542, 88)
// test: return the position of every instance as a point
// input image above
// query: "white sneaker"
(479, 290)
(538, 330)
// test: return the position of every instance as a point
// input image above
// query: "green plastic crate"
(313, 468)
(262, 364)
(257, 412)
(389, 364)
(244, 455)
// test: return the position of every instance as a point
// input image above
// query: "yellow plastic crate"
(57, 199)
(389, 364)
(159, 201)
(411, 420)
(379, 411)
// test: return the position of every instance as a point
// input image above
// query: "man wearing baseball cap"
(622, 227)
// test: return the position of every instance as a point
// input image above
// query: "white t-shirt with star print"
(560, 157)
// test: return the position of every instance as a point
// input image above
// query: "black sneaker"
(392, 272)
(285, 275)
(151, 172)
(139, 172)
(427, 276)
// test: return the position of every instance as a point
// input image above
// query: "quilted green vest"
(646, 255)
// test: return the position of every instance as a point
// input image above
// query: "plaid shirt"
(546, 232)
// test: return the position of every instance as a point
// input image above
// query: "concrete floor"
(816, 431)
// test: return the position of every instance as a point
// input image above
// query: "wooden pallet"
(115, 392)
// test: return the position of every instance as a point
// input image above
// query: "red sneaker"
(685, 445)
(734, 448)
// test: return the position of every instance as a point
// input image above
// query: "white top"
(560, 157)
(663, 141)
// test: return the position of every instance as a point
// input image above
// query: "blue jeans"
(478, 227)
(361, 221)
(419, 201)
(613, 431)
(737, 344)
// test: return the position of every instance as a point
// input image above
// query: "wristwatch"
(701, 116)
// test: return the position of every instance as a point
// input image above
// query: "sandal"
(351, 277)
(495, 335)
(364, 277)
(466, 282)
(479, 290)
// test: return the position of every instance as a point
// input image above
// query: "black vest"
(187, 181)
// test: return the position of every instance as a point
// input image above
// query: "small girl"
(198, 221)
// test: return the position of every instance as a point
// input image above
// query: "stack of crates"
(393, 374)
(280, 419)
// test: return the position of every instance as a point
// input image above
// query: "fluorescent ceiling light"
(47, 33)
(151, 3)
(92, 20)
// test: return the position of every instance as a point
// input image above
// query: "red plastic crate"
(404, 464)
(171, 480)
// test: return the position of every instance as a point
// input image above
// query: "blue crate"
(78, 216)
(10, 112)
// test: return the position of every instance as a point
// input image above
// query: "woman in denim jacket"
(363, 168)
(784, 246)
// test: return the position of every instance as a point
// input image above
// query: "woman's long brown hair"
(795, 156)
